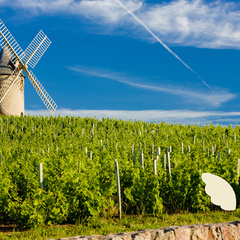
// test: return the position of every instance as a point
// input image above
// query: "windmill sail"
(19, 61)
(6, 39)
(36, 49)
(9, 84)
(47, 100)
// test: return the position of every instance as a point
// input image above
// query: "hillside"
(77, 155)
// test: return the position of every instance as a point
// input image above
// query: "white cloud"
(214, 98)
(108, 11)
(199, 23)
(195, 23)
(168, 116)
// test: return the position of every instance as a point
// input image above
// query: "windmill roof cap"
(6, 67)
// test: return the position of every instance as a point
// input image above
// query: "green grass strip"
(101, 226)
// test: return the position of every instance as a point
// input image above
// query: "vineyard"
(160, 167)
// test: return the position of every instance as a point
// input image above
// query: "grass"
(102, 226)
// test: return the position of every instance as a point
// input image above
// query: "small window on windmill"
(21, 84)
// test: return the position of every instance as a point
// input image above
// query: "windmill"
(13, 61)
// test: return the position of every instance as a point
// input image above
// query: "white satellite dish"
(220, 191)
(13, 60)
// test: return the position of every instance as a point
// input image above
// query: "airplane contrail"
(161, 42)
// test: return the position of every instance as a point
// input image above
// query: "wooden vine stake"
(182, 148)
(169, 165)
(213, 150)
(135, 158)
(155, 165)
(118, 188)
(228, 152)
(164, 161)
(238, 166)
(141, 159)
(41, 175)
(159, 151)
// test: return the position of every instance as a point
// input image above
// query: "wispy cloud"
(108, 11)
(209, 24)
(169, 116)
(213, 24)
(160, 41)
(213, 98)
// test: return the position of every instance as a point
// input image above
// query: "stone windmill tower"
(13, 60)
(13, 103)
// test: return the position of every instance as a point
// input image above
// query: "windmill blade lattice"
(6, 37)
(9, 88)
(36, 49)
(21, 59)
(47, 100)
(10, 83)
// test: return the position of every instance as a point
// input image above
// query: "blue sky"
(106, 59)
